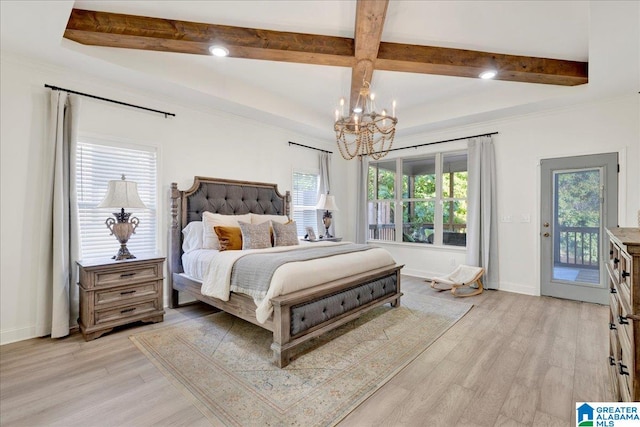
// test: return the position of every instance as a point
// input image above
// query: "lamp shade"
(327, 202)
(122, 194)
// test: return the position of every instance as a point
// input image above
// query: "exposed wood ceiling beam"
(469, 63)
(370, 16)
(363, 54)
(168, 35)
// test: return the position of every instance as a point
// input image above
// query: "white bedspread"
(213, 268)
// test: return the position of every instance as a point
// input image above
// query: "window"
(419, 199)
(96, 165)
(305, 195)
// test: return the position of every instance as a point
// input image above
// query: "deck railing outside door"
(576, 246)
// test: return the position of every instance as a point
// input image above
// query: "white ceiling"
(303, 97)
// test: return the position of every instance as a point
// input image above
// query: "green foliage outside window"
(419, 198)
(579, 198)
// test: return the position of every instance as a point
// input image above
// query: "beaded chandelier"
(364, 131)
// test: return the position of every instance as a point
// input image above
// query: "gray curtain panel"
(325, 187)
(362, 222)
(482, 221)
(58, 298)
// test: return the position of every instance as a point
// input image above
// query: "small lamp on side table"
(327, 203)
(124, 195)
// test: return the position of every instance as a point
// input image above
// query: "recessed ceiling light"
(488, 74)
(219, 51)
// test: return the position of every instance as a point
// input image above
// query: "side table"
(115, 293)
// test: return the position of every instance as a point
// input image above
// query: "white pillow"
(210, 220)
(259, 219)
(192, 236)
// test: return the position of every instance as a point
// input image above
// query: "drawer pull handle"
(612, 326)
(625, 274)
(622, 369)
(128, 310)
(613, 291)
(611, 252)
(123, 275)
(128, 292)
(612, 361)
(616, 260)
(623, 320)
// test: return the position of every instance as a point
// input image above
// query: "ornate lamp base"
(326, 219)
(123, 253)
(122, 229)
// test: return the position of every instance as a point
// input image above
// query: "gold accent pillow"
(230, 238)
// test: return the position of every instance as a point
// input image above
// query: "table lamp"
(122, 194)
(327, 203)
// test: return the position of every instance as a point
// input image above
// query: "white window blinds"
(305, 195)
(97, 164)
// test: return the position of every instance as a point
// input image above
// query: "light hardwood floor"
(513, 360)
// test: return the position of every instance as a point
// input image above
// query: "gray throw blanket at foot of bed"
(252, 273)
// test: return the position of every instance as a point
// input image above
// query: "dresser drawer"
(127, 275)
(614, 341)
(614, 307)
(624, 384)
(626, 362)
(625, 268)
(613, 379)
(125, 311)
(122, 295)
(614, 262)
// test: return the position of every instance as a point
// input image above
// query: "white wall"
(213, 143)
(195, 142)
(606, 126)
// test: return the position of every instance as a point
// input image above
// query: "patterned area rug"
(224, 363)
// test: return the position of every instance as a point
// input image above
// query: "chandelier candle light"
(365, 132)
(327, 203)
(124, 195)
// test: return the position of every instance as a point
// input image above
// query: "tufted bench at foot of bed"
(303, 318)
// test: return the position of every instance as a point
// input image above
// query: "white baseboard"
(421, 273)
(8, 336)
(504, 286)
(519, 289)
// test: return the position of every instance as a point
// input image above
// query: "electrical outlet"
(525, 218)
(506, 218)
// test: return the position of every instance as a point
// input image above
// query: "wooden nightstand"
(114, 293)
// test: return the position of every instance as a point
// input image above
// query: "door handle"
(546, 234)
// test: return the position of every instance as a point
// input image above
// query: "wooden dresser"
(624, 318)
(114, 293)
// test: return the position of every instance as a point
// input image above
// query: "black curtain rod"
(109, 100)
(311, 148)
(441, 142)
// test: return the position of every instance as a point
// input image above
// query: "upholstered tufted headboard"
(227, 197)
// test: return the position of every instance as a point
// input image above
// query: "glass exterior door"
(578, 200)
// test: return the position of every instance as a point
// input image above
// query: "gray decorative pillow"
(255, 236)
(285, 234)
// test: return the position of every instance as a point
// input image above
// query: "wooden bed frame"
(237, 197)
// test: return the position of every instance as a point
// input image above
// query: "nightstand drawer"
(125, 311)
(120, 295)
(128, 275)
